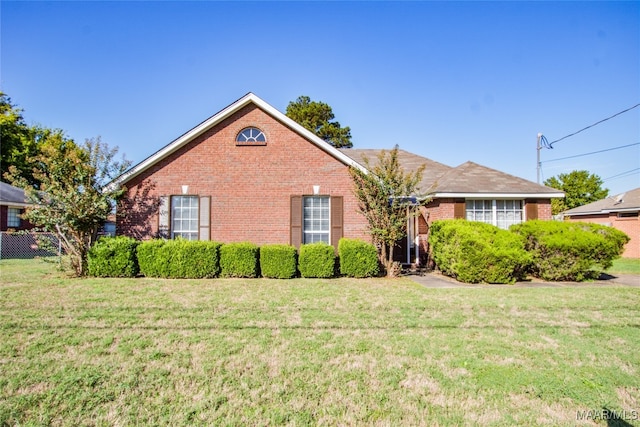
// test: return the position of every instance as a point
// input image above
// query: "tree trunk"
(390, 269)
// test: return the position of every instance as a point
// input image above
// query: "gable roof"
(624, 202)
(221, 115)
(12, 196)
(467, 180)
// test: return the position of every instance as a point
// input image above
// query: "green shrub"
(113, 257)
(358, 258)
(239, 260)
(475, 252)
(571, 251)
(278, 261)
(179, 259)
(317, 260)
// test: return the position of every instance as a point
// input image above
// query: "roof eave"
(444, 194)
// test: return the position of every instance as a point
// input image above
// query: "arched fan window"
(251, 136)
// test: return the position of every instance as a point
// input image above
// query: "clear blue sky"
(452, 81)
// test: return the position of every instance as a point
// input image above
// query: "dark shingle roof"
(628, 201)
(467, 178)
(10, 194)
(471, 177)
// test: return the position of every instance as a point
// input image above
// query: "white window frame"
(496, 211)
(185, 217)
(13, 217)
(316, 219)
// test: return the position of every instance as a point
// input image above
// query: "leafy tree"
(317, 117)
(70, 198)
(382, 195)
(15, 136)
(580, 188)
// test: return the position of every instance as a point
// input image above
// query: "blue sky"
(452, 81)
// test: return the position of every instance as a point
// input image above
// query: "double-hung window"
(501, 213)
(13, 217)
(184, 217)
(316, 219)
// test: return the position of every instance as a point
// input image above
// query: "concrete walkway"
(437, 280)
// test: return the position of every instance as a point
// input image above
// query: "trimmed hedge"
(317, 260)
(474, 252)
(358, 258)
(571, 251)
(239, 260)
(113, 257)
(278, 261)
(179, 259)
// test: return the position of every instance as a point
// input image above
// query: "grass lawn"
(626, 266)
(308, 352)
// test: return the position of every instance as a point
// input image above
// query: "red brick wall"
(629, 226)
(4, 213)
(250, 186)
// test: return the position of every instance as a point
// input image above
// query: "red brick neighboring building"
(249, 173)
(12, 206)
(620, 211)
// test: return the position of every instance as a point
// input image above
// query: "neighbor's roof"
(12, 196)
(226, 112)
(624, 202)
(467, 180)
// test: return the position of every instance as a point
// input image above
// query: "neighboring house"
(250, 173)
(620, 211)
(12, 206)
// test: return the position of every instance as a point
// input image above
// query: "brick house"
(12, 206)
(620, 211)
(249, 173)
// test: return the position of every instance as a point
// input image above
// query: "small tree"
(580, 188)
(383, 195)
(318, 118)
(70, 198)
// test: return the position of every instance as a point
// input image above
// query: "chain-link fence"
(28, 245)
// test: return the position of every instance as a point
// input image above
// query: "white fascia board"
(16, 204)
(219, 117)
(498, 195)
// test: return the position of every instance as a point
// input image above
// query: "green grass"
(625, 266)
(308, 352)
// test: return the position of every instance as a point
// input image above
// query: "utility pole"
(538, 152)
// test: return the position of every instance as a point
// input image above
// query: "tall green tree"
(580, 187)
(318, 117)
(383, 198)
(16, 145)
(70, 198)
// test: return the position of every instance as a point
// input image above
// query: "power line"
(620, 175)
(593, 152)
(590, 126)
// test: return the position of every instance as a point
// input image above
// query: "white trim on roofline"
(602, 211)
(222, 115)
(497, 195)
(16, 204)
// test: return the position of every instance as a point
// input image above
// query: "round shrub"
(278, 261)
(475, 252)
(317, 260)
(358, 258)
(572, 251)
(113, 257)
(239, 260)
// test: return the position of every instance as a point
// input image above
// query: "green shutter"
(337, 220)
